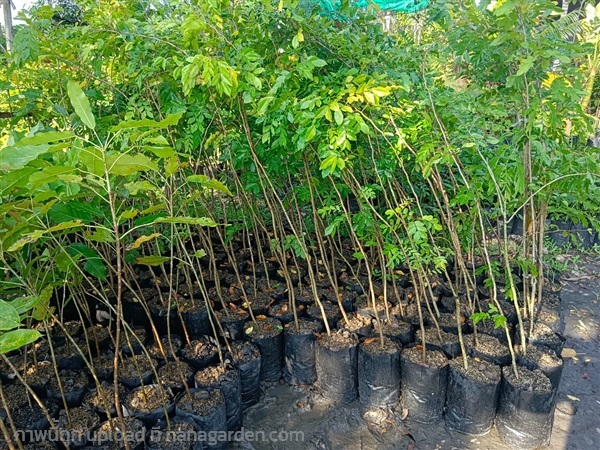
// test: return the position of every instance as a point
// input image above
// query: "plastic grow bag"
(379, 375)
(337, 372)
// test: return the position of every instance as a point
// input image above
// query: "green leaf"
(12, 158)
(140, 186)
(201, 221)
(15, 179)
(171, 119)
(126, 164)
(40, 310)
(81, 104)
(37, 234)
(152, 260)
(139, 241)
(93, 264)
(209, 183)
(9, 317)
(525, 65)
(15, 339)
(48, 175)
(92, 159)
(44, 138)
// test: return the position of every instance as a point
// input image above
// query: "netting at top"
(409, 6)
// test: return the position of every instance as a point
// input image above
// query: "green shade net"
(408, 6)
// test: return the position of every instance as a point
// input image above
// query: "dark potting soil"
(172, 375)
(212, 376)
(201, 402)
(265, 327)
(332, 312)
(71, 381)
(478, 369)
(37, 375)
(244, 352)
(305, 326)
(283, 312)
(432, 358)
(104, 365)
(549, 318)
(375, 346)
(447, 322)
(488, 348)
(543, 358)
(487, 327)
(147, 399)
(136, 368)
(79, 421)
(68, 356)
(170, 347)
(200, 352)
(529, 380)
(112, 435)
(233, 314)
(32, 416)
(357, 323)
(339, 340)
(132, 341)
(16, 395)
(260, 302)
(364, 305)
(542, 335)
(171, 436)
(99, 338)
(449, 342)
(103, 397)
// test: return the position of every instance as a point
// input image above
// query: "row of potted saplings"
(472, 390)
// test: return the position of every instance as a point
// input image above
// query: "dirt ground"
(325, 426)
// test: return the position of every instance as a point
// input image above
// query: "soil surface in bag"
(379, 372)
(337, 366)
(526, 408)
(227, 379)
(472, 395)
(206, 407)
(423, 383)
(543, 358)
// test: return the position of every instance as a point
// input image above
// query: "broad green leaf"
(201, 221)
(25, 303)
(209, 183)
(100, 235)
(40, 310)
(140, 186)
(48, 175)
(161, 152)
(72, 211)
(126, 164)
(81, 104)
(152, 260)
(171, 166)
(15, 179)
(525, 65)
(139, 241)
(171, 119)
(12, 158)
(15, 339)
(92, 159)
(93, 264)
(9, 317)
(35, 235)
(44, 138)
(263, 104)
(129, 214)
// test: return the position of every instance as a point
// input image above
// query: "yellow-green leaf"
(81, 104)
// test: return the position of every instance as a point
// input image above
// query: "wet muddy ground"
(324, 426)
